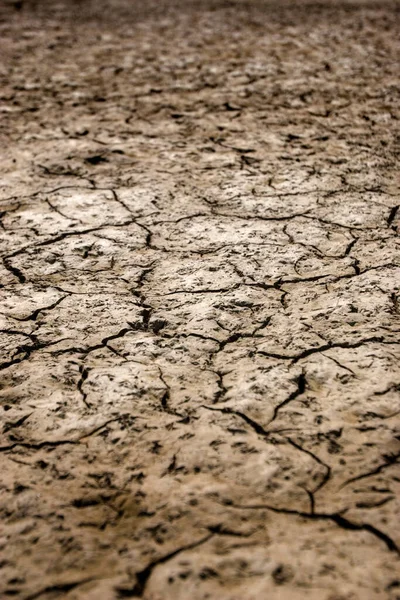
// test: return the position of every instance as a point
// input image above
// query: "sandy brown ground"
(200, 320)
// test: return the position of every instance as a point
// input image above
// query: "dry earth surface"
(200, 321)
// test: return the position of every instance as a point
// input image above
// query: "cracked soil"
(200, 343)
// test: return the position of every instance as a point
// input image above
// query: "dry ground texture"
(200, 320)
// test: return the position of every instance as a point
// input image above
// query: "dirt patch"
(199, 301)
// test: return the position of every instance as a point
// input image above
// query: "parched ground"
(200, 322)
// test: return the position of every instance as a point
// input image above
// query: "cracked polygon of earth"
(212, 313)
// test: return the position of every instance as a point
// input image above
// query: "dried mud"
(199, 300)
